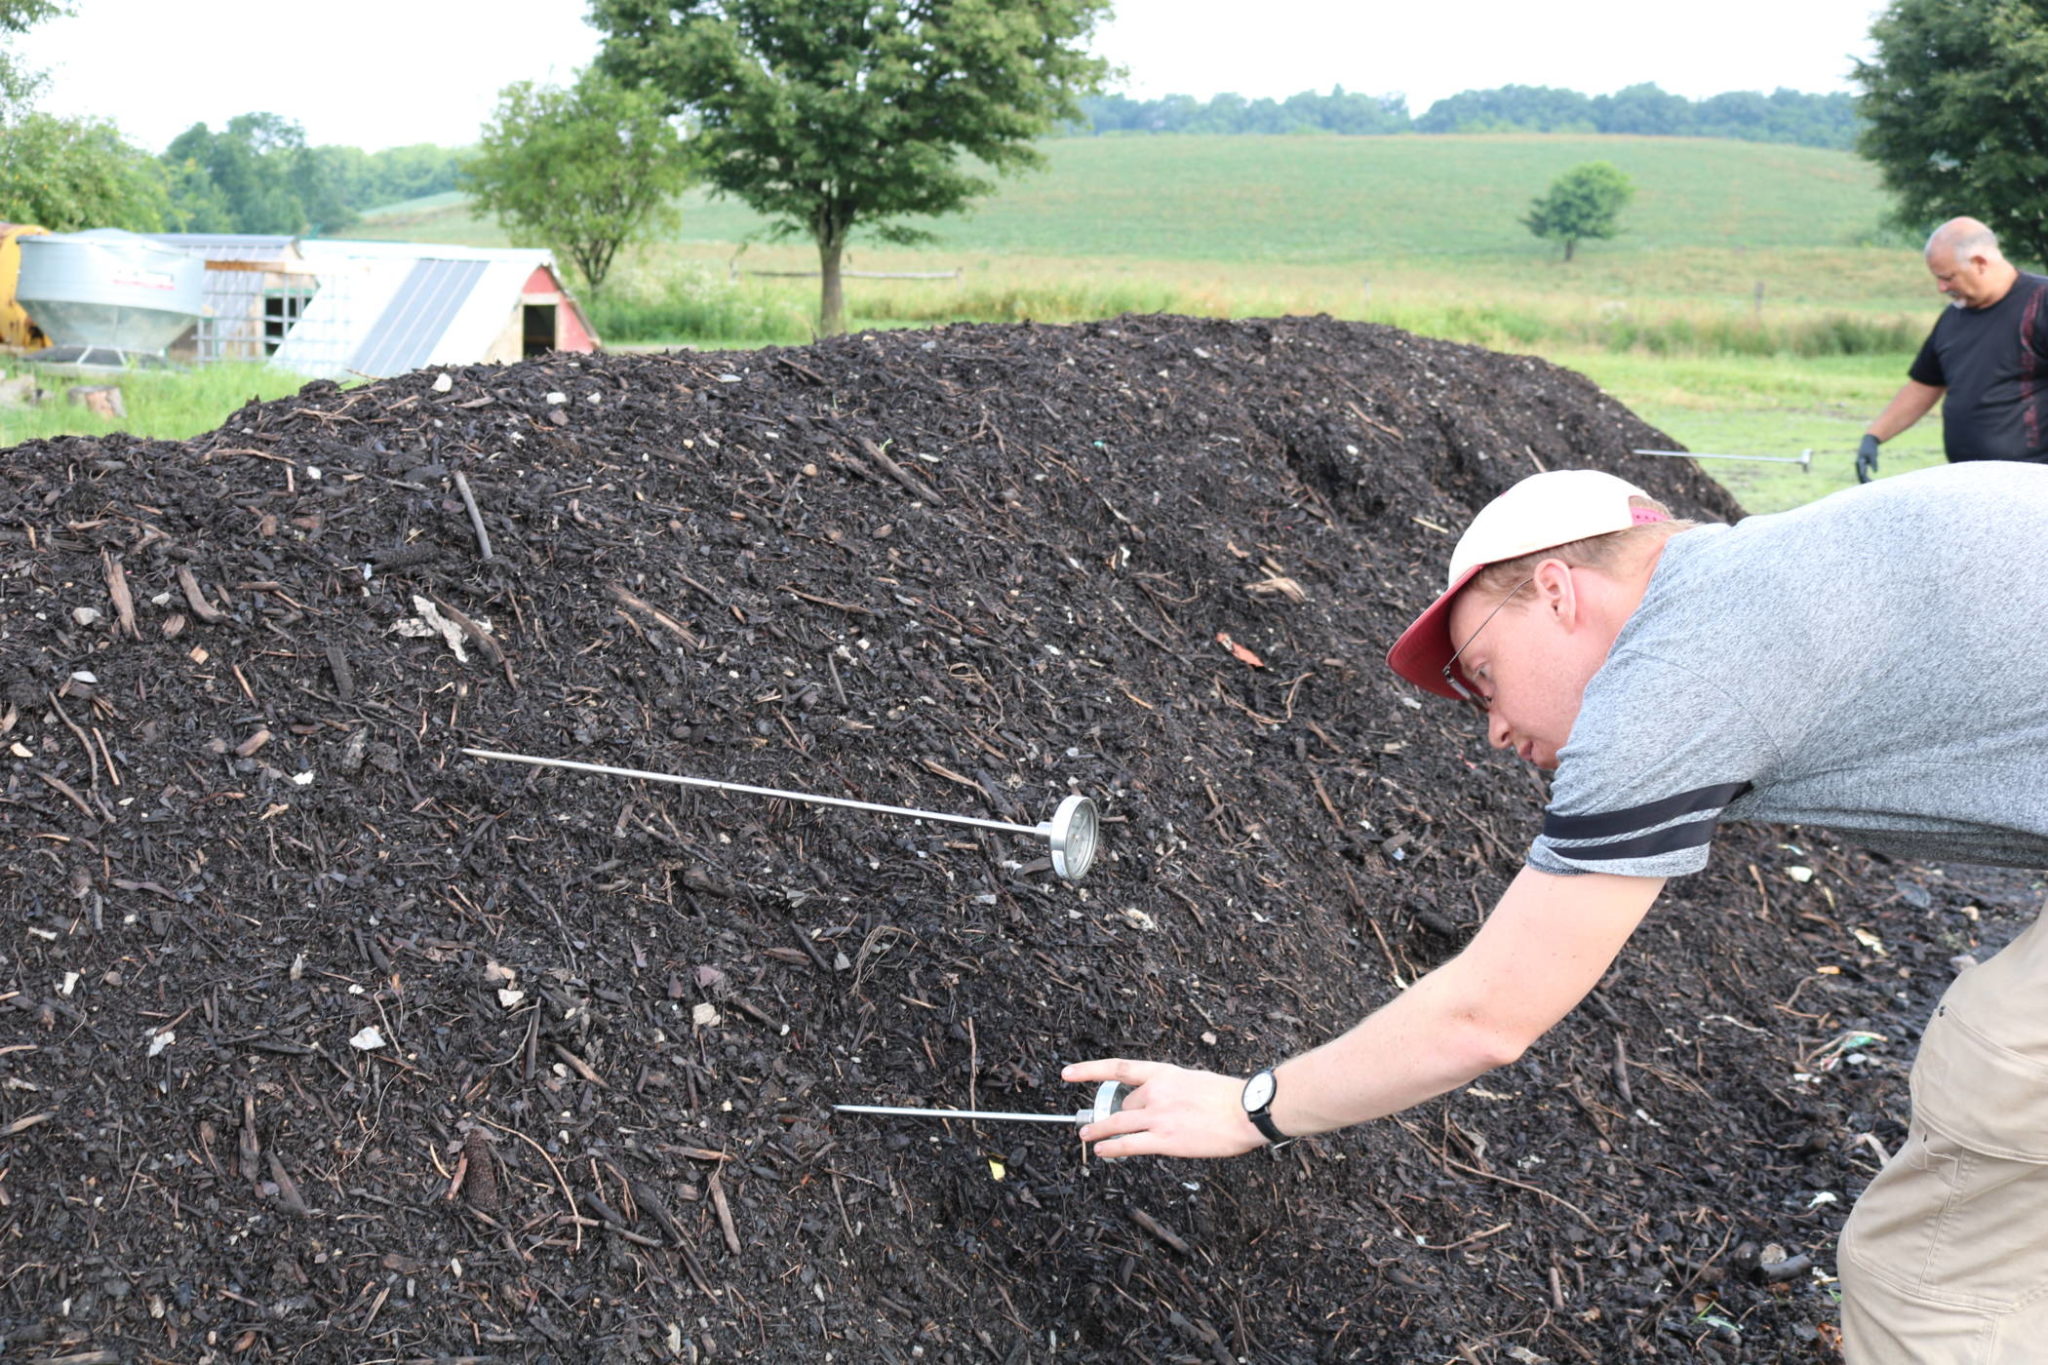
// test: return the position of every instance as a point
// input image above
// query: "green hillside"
(1322, 200)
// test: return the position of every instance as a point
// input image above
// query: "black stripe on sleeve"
(1607, 824)
(1671, 839)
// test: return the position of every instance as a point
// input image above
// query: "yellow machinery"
(16, 328)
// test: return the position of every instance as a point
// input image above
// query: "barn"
(336, 309)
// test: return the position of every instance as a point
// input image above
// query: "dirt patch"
(319, 1041)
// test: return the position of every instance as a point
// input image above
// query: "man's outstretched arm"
(1908, 405)
(1545, 946)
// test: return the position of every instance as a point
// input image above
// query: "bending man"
(1872, 662)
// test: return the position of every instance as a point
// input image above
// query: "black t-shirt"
(1994, 363)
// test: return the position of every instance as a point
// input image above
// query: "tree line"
(254, 175)
(257, 174)
(1646, 109)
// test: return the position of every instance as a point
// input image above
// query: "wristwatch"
(1258, 1107)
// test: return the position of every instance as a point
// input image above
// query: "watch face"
(1258, 1092)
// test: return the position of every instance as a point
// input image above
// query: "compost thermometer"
(1109, 1097)
(1071, 832)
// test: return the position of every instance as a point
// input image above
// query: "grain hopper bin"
(108, 297)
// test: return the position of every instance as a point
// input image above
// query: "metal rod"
(1804, 459)
(605, 771)
(956, 1114)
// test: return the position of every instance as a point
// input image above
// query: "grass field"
(1329, 200)
(1741, 406)
(1752, 305)
(171, 405)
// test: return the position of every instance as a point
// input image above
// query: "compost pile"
(320, 1041)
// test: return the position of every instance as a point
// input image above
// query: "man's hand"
(1169, 1111)
(1866, 458)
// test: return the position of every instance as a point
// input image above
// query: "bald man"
(1988, 353)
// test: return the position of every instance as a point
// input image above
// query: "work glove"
(1866, 458)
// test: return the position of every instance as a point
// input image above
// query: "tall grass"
(663, 296)
(685, 303)
(1672, 331)
(170, 404)
(691, 301)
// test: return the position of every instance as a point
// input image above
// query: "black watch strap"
(1262, 1115)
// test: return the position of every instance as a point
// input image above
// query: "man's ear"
(1556, 592)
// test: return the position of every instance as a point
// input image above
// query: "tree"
(1584, 203)
(831, 114)
(197, 204)
(1955, 108)
(582, 171)
(1644, 108)
(17, 83)
(270, 179)
(66, 173)
(413, 172)
(1534, 108)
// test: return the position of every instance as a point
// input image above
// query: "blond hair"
(1602, 552)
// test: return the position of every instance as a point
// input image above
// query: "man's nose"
(1497, 731)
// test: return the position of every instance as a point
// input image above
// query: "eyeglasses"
(1451, 664)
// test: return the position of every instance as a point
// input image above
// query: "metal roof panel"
(404, 337)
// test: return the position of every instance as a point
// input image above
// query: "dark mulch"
(968, 570)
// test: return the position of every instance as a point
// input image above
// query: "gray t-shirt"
(1875, 662)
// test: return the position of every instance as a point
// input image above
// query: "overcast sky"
(382, 73)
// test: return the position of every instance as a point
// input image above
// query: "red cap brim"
(1425, 647)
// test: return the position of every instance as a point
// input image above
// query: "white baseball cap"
(1541, 511)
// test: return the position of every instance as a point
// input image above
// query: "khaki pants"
(1945, 1259)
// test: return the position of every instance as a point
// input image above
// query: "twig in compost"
(1161, 1231)
(718, 1202)
(656, 615)
(847, 607)
(811, 375)
(911, 483)
(91, 759)
(344, 677)
(1621, 1085)
(476, 518)
(1466, 1241)
(1678, 1295)
(560, 1179)
(201, 608)
(73, 797)
(1455, 1164)
(117, 591)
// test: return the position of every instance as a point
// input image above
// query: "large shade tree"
(1955, 110)
(828, 115)
(582, 171)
